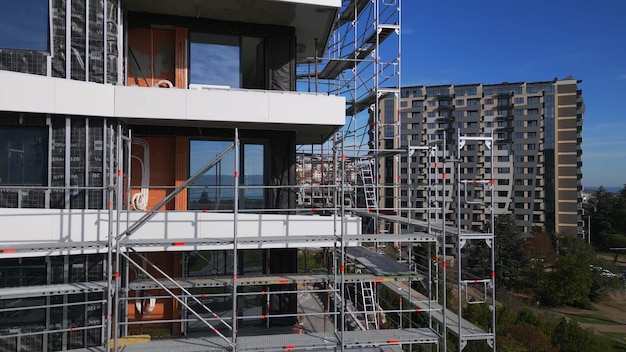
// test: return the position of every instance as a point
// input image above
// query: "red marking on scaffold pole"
(369, 209)
(443, 264)
(289, 347)
(110, 205)
(202, 295)
(7, 250)
(475, 281)
(491, 181)
(374, 125)
(148, 213)
(215, 330)
(343, 158)
(400, 301)
(436, 259)
(475, 182)
(178, 243)
(314, 209)
(217, 316)
(379, 279)
(443, 176)
(417, 310)
(493, 274)
(263, 316)
(395, 342)
(72, 329)
(283, 281)
(263, 293)
(236, 174)
(116, 275)
(341, 268)
(205, 211)
(435, 165)
(234, 277)
(119, 173)
(374, 177)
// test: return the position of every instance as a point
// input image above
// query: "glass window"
(472, 91)
(533, 100)
(417, 103)
(519, 135)
(473, 102)
(430, 125)
(226, 60)
(533, 111)
(417, 93)
(23, 156)
(472, 113)
(404, 104)
(404, 94)
(503, 158)
(518, 112)
(460, 102)
(24, 25)
(459, 113)
(431, 103)
(488, 101)
(488, 91)
(532, 89)
(459, 92)
(517, 90)
(531, 123)
(215, 189)
(489, 113)
(518, 100)
(519, 123)
(431, 114)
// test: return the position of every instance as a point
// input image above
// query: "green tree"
(509, 256)
(569, 283)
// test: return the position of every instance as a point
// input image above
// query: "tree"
(569, 283)
(509, 258)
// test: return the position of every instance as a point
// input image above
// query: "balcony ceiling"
(312, 19)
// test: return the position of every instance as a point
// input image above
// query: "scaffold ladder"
(369, 305)
(368, 185)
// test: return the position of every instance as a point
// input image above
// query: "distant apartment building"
(536, 157)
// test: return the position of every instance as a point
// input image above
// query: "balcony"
(86, 231)
(312, 20)
(311, 115)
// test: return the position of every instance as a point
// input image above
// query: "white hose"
(139, 201)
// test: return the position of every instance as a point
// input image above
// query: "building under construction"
(153, 159)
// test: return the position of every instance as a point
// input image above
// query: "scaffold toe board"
(52, 290)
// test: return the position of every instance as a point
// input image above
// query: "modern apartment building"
(537, 153)
(148, 180)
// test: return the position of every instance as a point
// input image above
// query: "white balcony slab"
(310, 115)
(76, 230)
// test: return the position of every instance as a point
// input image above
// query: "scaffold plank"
(52, 290)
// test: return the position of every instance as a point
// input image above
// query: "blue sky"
(493, 41)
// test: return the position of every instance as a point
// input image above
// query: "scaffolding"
(378, 273)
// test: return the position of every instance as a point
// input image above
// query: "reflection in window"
(24, 25)
(214, 60)
(23, 156)
(226, 60)
(215, 189)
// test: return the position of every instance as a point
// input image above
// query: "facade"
(148, 180)
(537, 153)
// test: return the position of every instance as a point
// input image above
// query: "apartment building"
(149, 165)
(537, 153)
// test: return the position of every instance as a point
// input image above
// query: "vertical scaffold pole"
(235, 229)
